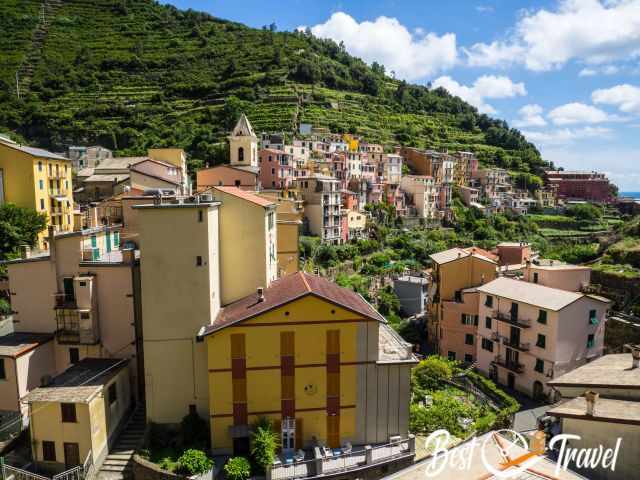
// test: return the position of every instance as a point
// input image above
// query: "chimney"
(51, 240)
(591, 398)
(25, 251)
(635, 356)
(128, 256)
(260, 294)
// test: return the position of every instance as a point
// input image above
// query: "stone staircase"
(25, 71)
(118, 465)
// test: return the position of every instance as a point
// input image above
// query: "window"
(591, 341)
(113, 394)
(241, 154)
(488, 301)
(487, 322)
(542, 341)
(487, 345)
(39, 166)
(3, 373)
(451, 355)
(41, 184)
(198, 261)
(542, 317)
(270, 220)
(535, 277)
(200, 215)
(468, 339)
(539, 366)
(468, 358)
(593, 317)
(48, 451)
(68, 412)
(74, 355)
(237, 183)
(467, 319)
(42, 204)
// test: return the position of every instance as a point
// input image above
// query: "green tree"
(264, 444)
(18, 226)
(430, 373)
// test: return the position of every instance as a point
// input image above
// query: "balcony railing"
(523, 347)
(512, 319)
(516, 367)
(64, 300)
(70, 328)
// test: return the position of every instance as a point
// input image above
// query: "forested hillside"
(129, 74)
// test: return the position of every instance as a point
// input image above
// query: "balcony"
(523, 347)
(64, 301)
(511, 319)
(346, 461)
(75, 326)
(509, 364)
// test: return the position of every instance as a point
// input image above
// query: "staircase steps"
(118, 465)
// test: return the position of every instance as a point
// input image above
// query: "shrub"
(194, 462)
(430, 373)
(443, 413)
(264, 443)
(237, 468)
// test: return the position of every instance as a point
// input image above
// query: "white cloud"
(487, 86)
(605, 70)
(530, 116)
(592, 31)
(566, 135)
(626, 97)
(571, 113)
(386, 41)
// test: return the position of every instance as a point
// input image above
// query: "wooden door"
(71, 455)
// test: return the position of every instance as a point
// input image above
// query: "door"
(514, 312)
(511, 381)
(513, 357)
(514, 336)
(69, 294)
(538, 390)
(108, 238)
(71, 455)
(288, 434)
(241, 446)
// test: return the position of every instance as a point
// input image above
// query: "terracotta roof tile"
(288, 289)
(246, 195)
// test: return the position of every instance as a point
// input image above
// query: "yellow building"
(34, 178)
(314, 357)
(76, 416)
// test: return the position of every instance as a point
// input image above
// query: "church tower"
(243, 146)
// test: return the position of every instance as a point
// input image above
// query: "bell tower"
(243, 146)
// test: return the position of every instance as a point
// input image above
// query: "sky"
(565, 72)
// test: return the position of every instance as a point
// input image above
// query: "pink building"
(276, 168)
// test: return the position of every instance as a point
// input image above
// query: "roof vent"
(635, 356)
(260, 294)
(591, 398)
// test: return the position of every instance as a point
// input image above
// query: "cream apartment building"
(529, 334)
(423, 191)
(322, 206)
(82, 295)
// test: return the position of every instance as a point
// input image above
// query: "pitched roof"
(452, 254)
(18, 343)
(36, 152)
(608, 371)
(530, 293)
(158, 169)
(106, 177)
(80, 382)
(243, 128)
(246, 195)
(287, 289)
(606, 410)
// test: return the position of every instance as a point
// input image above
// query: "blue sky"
(565, 72)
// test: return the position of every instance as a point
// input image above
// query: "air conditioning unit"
(206, 197)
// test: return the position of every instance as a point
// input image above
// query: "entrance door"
(71, 455)
(288, 434)
(538, 390)
(241, 446)
(511, 381)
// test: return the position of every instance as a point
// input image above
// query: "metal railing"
(81, 472)
(15, 473)
(512, 319)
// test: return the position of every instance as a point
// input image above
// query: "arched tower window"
(241, 154)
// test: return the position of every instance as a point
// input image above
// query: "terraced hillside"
(130, 74)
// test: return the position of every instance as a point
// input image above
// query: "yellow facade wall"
(309, 318)
(464, 273)
(9, 386)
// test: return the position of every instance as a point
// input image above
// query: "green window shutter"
(94, 241)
